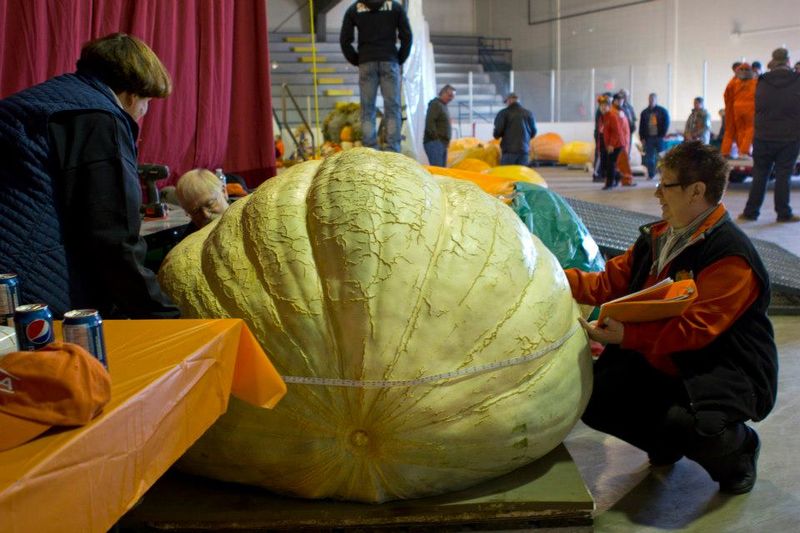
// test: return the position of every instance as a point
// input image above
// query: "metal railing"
(496, 57)
(300, 147)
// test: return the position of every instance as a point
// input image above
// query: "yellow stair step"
(310, 59)
(338, 92)
(322, 70)
(303, 49)
(297, 39)
(331, 81)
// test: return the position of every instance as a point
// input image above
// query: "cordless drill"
(148, 176)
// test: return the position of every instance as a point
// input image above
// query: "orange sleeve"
(596, 288)
(725, 290)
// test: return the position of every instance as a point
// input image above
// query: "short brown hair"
(446, 88)
(694, 161)
(125, 64)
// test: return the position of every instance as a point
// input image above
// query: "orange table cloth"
(170, 381)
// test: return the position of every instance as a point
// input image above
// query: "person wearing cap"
(686, 385)
(698, 125)
(58, 385)
(438, 131)
(776, 141)
(653, 127)
(730, 125)
(380, 24)
(69, 187)
(515, 126)
(757, 69)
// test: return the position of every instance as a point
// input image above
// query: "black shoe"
(743, 472)
(790, 218)
(661, 459)
(607, 187)
(744, 216)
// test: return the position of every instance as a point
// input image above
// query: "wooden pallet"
(547, 493)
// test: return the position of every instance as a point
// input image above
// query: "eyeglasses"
(210, 205)
(662, 185)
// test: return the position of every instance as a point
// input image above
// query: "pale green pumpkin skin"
(366, 267)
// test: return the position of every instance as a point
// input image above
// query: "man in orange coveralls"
(740, 111)
(611, 136)
(686, 385)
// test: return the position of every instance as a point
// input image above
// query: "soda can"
(85, 327)
(9, 298)
(34, 326)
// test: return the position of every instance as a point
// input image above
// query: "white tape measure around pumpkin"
(469, 371)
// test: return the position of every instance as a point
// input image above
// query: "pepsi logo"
(38, 331)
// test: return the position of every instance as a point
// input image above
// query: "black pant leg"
(631, 399)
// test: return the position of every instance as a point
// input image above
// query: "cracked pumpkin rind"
(366, 267)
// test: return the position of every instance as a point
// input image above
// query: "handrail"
(495, 54)
(284, 126)
(285, 91)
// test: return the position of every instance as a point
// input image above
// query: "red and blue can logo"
(34, 325)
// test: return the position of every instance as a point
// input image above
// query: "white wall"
(682, 33)
(450, 16)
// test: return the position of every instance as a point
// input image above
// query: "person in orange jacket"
(623, 161)
(612, 140)
(744, 109)
(686, 385)
(730, 126)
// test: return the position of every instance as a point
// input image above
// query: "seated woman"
(202, 195)
(685, 386)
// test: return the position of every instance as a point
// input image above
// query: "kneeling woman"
(685, 386)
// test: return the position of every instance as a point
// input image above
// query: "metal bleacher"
(614, 230)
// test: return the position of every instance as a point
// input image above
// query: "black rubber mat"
(614, 230)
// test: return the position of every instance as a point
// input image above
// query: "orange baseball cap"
(58, 385)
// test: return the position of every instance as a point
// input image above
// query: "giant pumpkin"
(429, 341)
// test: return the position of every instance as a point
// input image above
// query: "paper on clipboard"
(665, 299)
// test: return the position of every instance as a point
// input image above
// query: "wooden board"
(547, 493)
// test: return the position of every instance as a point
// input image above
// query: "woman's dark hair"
(694, 161)
(125, 64)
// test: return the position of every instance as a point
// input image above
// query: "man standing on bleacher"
(380, 23)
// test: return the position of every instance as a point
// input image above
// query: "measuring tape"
(470, 371)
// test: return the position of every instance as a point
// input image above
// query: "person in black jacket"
(653, 127)
(686, 385)
(69, 189)
(437, 127)
(776, 141)
(380, 23)
(516, 127)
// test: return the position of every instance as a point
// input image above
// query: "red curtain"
(219, 113)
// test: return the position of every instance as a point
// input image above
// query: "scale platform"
(547, 493)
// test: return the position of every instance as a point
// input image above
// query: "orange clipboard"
(666, 299)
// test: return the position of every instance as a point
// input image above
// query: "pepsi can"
(85, 327)
(34, 326)
(9, 298)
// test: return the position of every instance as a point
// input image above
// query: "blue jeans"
(652, 147)
(436, 152)
(387, 75)
(768, 155)
(509, 158)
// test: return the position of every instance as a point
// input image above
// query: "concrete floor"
(629, 496)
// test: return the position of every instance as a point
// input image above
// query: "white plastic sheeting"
(419, 82)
